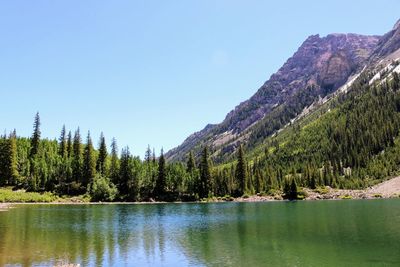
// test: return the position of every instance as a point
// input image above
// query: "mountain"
(387, 47)
(319, 67)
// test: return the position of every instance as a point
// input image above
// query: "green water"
(320, 233)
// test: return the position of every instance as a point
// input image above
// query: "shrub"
(227, 198)
(21, 196)
(322, 190)
(102, 189)
(301, 194)
(272, 192)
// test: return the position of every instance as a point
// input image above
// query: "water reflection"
(229, 234)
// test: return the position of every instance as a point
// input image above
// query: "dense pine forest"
(350, 142)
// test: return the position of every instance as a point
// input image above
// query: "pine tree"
(205, 175)
(8, 160)
(153, 156)
(69, 145)
(159, 190)
(63, 145)
(125, 172)
(12, 170)
(191, 163)
(290, 189)
(89, 162)
(149, 163)
(241, 172)
(114, 166)
(101, 160)
(293, 190)
(77, 157)
(193, 178)
(147, 156)
(396, 80)
(3, 156)
(35, 140)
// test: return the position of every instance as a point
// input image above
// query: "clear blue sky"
(153, 72)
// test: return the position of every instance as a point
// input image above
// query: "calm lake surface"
(320, 233)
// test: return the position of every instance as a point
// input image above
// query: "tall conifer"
(101, 160)
(205, 174)
(62, 143)
(241, 172)
(35, 140)
(114, 166)
(77, 157)
(89, 162)
(159, 189)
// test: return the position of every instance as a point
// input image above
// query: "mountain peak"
(389, 44)
(396, 26)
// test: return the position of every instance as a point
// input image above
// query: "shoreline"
(251, 199)
(384, 190)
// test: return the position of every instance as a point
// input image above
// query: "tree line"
(353, 143)
(69, 166)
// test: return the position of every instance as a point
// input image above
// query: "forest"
(351, 142)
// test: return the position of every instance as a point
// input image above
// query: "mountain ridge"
(319, 67)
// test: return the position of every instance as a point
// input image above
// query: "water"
(320, 233)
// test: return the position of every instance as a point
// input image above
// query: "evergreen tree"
(154, 156)
(89, 162)
(193, 179)
(63, 144)
(396, 80)
(159, 190)
(114, 166)
(241, 172)
(8, 160)
(191, 163)
(69, 145)
(101, 160)
(147, 156)
(293, 190)
(35, 140)
(290, 189)
(127, 184)
(205, 175)
(12, 162)
(77, 157)
(124, 171)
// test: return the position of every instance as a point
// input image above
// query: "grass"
(21, 196)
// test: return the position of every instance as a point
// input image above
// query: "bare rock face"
(388, 44)
(322, 63)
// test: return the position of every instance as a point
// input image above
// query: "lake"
(308, 233)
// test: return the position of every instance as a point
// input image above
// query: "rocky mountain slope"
(319, 68)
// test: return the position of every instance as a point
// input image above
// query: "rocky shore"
(386, 189)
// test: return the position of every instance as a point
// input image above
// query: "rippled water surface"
(320, 233)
